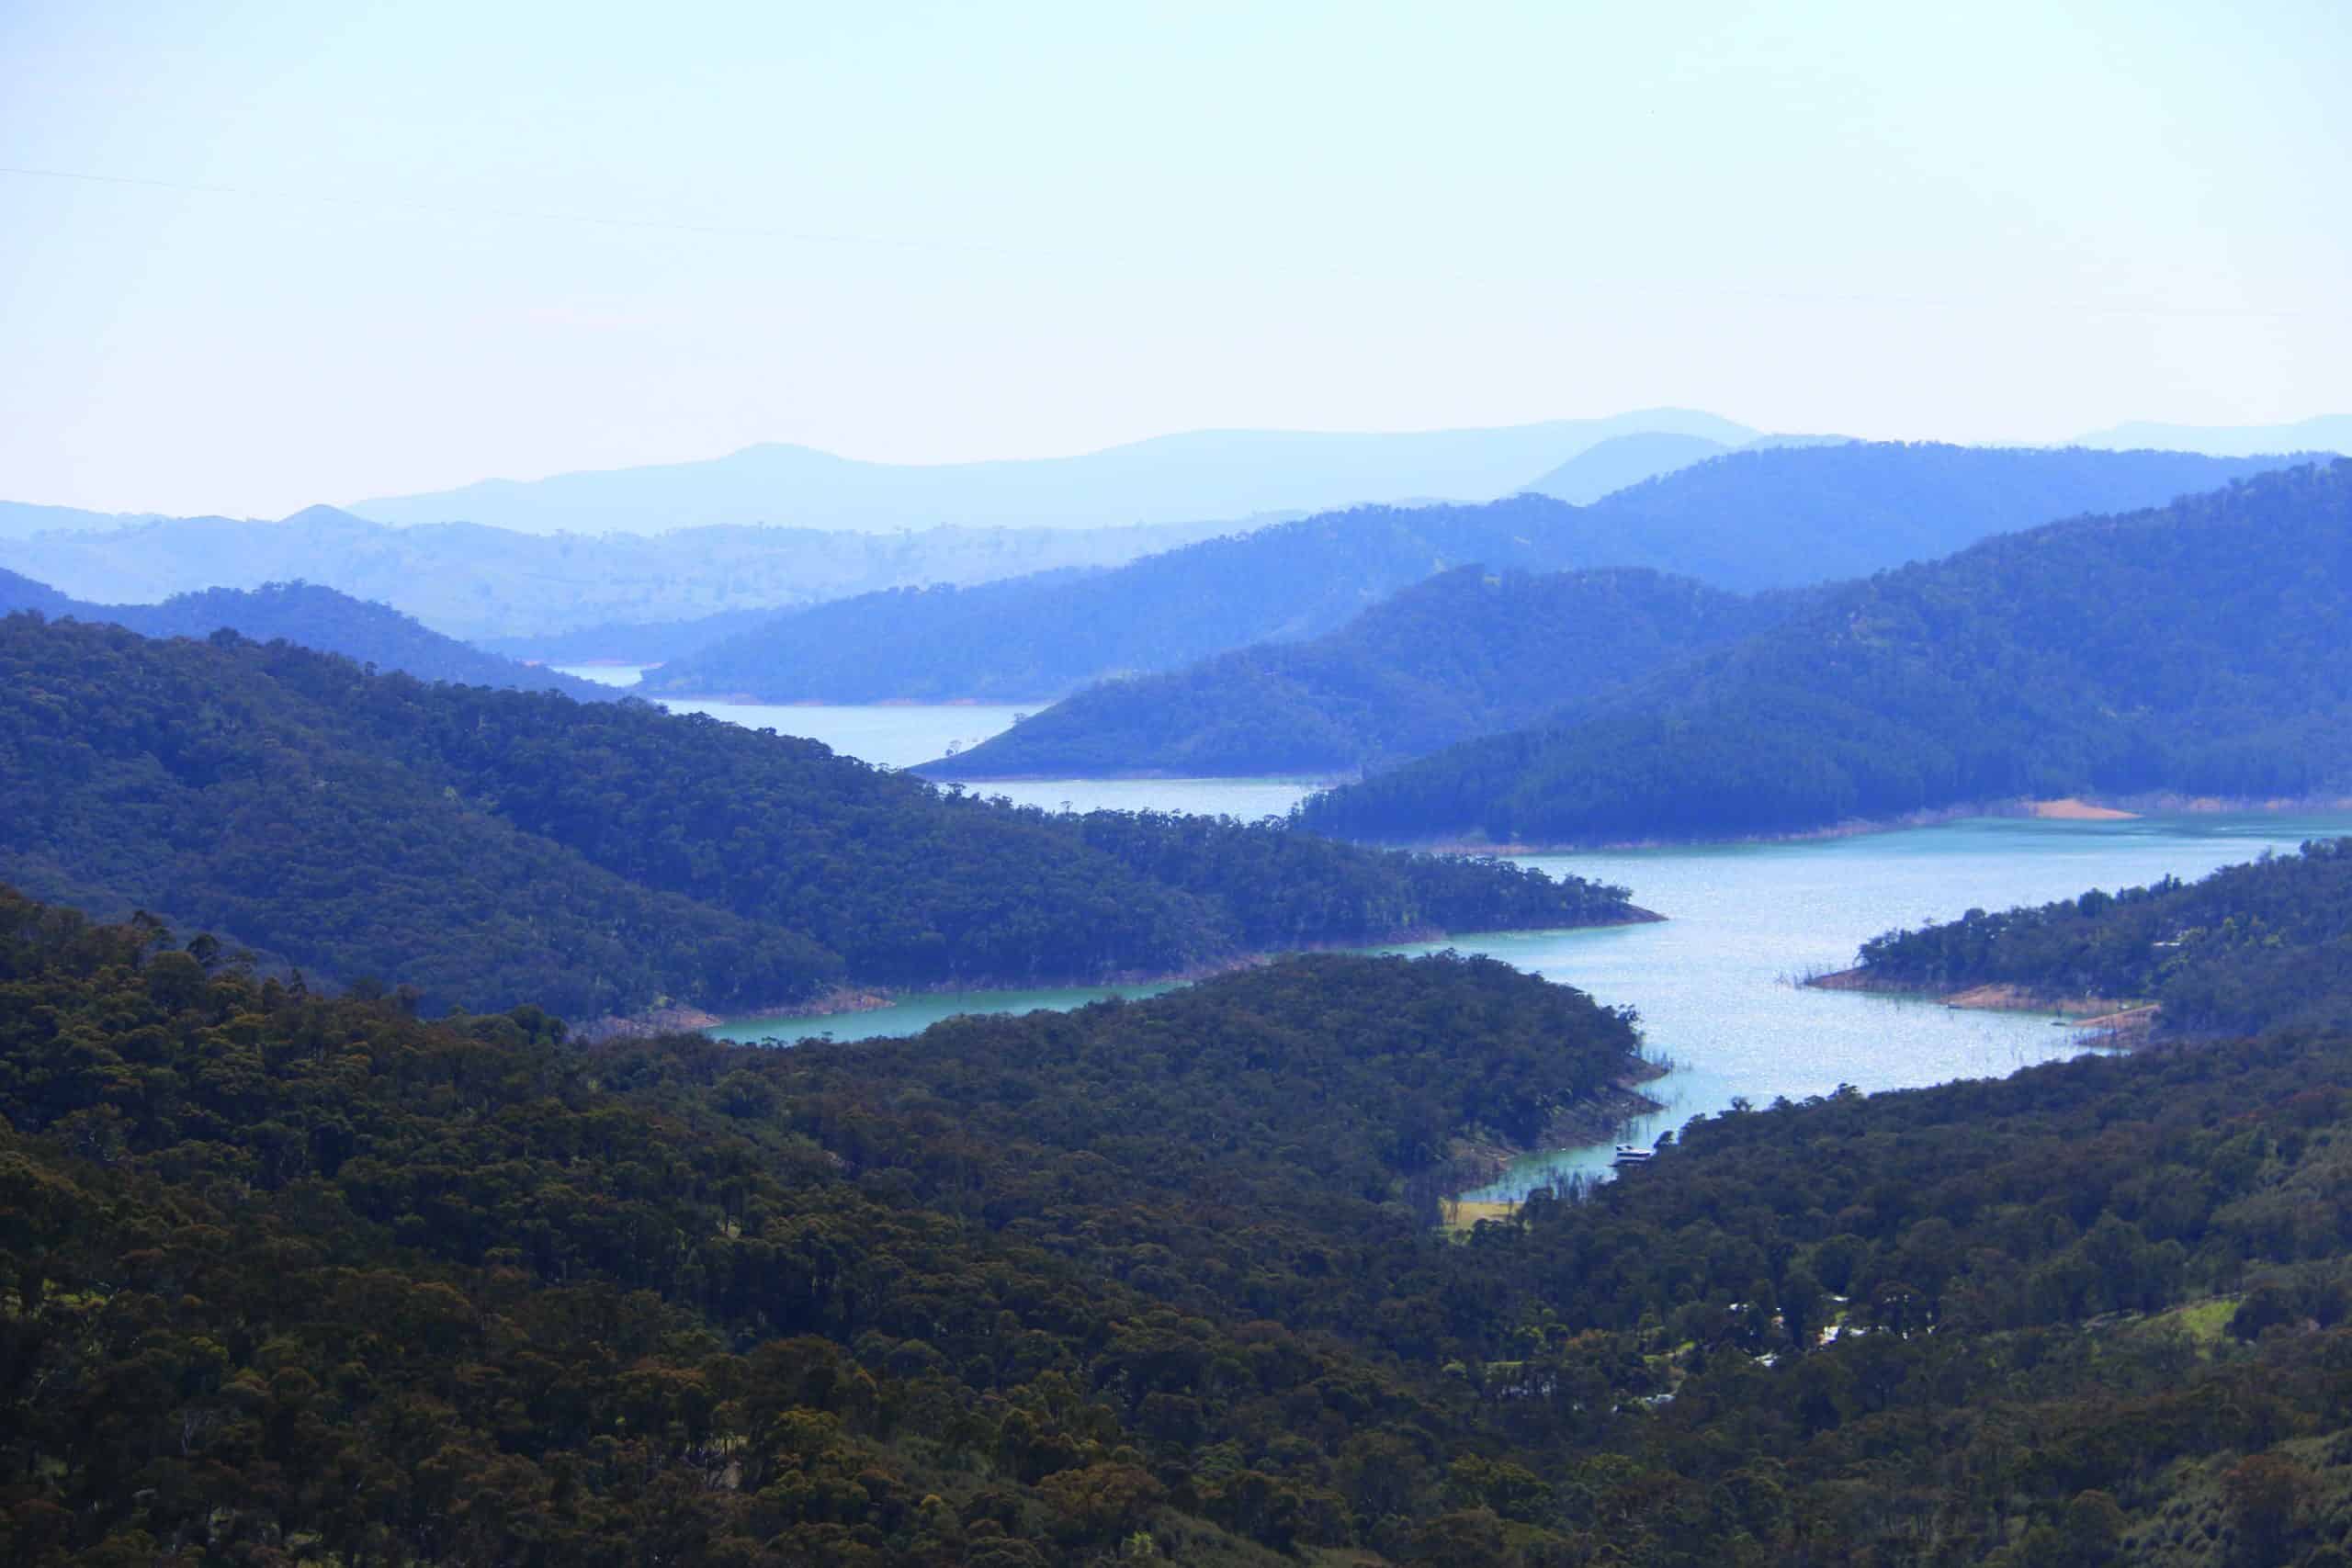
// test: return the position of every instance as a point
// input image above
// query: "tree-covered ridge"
(1780, 517)
(1465, 653)
(2248, 948)
(491, 847)
(315, 617)
(292, 1277)
(2193, 650)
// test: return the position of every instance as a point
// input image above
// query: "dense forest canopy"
(2196, 650)
(1466, 653)
(315, 617)
(2245, 949)
(492, 846)
(294, 1276)
(1780, 517)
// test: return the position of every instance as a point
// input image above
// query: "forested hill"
(20, 592)
(2197, 649)
(1775, 517)
(489, 847)
(1036, 636)
(293, 1277)
(1785, 516)
(315, 617)
(2248, 948)
(1466, 653)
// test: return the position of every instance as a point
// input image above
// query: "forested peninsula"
(296, 1277)
(484, 847)
(315, 617)
(2191, 651)
(1469, 652)
(2250, 947)
(1772, 518)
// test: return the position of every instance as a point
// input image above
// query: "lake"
(900, 735)
(1714, 981)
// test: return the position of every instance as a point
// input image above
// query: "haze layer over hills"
(2323, 433)
(1170, 478)
(1780, 517)
(2195, 649)
(478, 583)
(314, 617)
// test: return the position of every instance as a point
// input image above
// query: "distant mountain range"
(2196, 650)
(1778, 517)
(1170, 478)
(1623, 461)
(22, 520)
(2325, 432)
(1466, 653)
(314, 617)
(480, 583)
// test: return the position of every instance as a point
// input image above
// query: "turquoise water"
(1713, 982)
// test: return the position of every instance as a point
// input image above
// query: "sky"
(257, 255)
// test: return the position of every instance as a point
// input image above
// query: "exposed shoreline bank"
(2065, 808)
(1588, 1123)
(2113, 1016)
(853, 998)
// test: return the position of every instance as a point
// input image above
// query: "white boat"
(1628, 1153)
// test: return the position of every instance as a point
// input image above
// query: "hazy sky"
(446, 241)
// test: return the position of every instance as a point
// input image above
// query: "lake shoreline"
(1477, 1162)
(853, 998)
(2115, 1016)
(2065, 808)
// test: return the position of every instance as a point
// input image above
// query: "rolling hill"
(1464, 654)
(2195, 649)
(480, 583)
(2249, 948)
(489, 847)
(1784, 516)
(1622, 460)
(2323, 433)
(1170, 478)
(315, 617)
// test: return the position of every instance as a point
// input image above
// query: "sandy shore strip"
(2073, 809)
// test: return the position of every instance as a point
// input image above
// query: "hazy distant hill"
(2198, 649)
(20, 520)
(1784, 516)
(20, 592)
(2325, 432)
(1170, 478)
(1622, 460)
(489, 847)
(631, 642)
(314, 617)
(1465, 653)
(476, 582)
(1034, 638)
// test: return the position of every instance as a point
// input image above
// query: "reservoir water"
(900, 735)
(1714, 982)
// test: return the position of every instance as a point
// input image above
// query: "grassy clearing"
(1459, 1214)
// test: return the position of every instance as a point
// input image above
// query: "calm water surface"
(900, 735)
(1712, 982)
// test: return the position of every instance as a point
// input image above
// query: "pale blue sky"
(938, 232)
